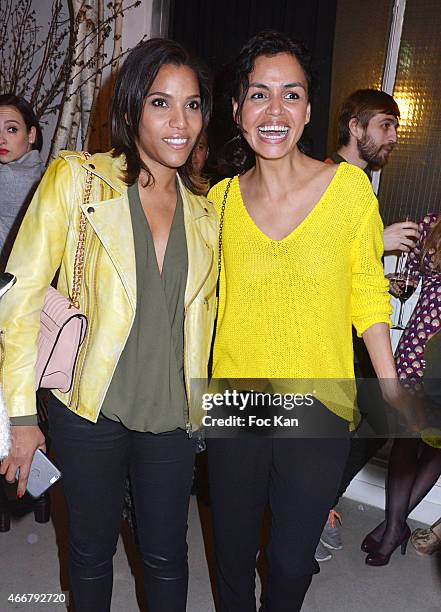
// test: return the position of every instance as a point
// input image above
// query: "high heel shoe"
(377, 559)
(369, 544)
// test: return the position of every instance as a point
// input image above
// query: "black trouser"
(94, 460)
(361, 451)
(299, 478)
(371, 435)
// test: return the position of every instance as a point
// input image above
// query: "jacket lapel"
(112, 223)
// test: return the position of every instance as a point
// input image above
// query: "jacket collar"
(106, 215)
(109, 169)
(197, 206)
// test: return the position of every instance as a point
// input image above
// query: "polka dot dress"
(426, 317)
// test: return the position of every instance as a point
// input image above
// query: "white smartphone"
(42, 475)
(6, 282)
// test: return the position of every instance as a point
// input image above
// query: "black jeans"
(95, 460)
(299, 479)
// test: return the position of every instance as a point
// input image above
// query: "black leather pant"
(94, 460)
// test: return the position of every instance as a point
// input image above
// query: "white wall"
(43, 15)
(137, 23)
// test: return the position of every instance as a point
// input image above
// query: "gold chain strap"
(221, 226)
(79, 255)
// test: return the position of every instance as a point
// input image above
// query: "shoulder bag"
(62, 324)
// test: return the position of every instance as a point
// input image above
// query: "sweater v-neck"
(306, 219)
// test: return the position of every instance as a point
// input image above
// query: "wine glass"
(402, 285)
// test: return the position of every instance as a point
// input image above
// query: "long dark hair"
(132, 85)
(237, 152)
(26, 111)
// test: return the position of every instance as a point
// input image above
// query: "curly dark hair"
(236, 152)
(133, 83)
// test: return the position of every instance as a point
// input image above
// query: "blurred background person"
(367, 134)
(200, 153)
(414, 465)
(21, 166)
(428, 541)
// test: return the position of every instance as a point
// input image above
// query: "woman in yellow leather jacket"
(148, 290)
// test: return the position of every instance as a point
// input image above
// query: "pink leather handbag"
(62, 331)
(62, 325)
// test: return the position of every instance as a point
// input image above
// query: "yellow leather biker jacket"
(47, 242)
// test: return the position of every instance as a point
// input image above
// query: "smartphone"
(42, 475)
(6, 282)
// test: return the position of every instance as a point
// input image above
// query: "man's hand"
(401, 236)
(25, 441)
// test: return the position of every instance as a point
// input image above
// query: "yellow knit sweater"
(286, 307)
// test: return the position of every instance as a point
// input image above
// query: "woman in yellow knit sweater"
(301, 263)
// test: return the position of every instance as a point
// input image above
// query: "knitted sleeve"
(370, 297)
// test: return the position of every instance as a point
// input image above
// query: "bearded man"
(367, 134)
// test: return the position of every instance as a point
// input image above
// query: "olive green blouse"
(147, 391)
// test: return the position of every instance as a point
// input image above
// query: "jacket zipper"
(188, 427)
(92, 257)
(94, 301)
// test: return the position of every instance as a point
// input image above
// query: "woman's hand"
(409, 406)
(25, 441)
(395, 286)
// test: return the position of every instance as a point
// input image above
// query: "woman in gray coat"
(21, 168)
(21, 165)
